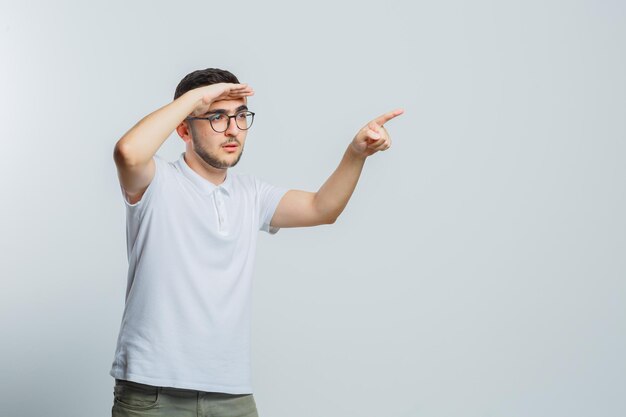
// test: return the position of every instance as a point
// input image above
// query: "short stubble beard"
(210, 158)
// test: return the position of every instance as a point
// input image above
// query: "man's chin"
(227, 164)
(235, 160)
(218, 163)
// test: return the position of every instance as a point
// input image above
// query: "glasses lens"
(244, 120)
(218, 122)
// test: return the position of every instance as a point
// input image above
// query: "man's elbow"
(122, 156)
(331, 220)
(320, 220)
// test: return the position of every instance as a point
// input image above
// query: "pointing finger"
(384, 118)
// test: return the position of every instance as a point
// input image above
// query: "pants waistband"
(171, 390)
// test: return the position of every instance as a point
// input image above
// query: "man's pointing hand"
(373, 137)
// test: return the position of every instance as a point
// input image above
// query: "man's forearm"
(143, 140)
(333, 196)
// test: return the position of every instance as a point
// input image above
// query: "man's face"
(218, 149)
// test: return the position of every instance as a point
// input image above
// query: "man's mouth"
(231, 147)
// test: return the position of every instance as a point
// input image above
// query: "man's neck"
(206, 171)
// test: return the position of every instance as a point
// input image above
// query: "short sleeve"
(268, 197)
(154, 184)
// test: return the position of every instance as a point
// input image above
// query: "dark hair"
(200, 78)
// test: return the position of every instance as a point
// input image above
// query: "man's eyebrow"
(238, 109)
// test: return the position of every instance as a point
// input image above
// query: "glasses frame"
(227, 123)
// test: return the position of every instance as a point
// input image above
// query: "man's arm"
(300, 208)
(134, 151)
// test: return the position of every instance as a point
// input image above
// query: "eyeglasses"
(220, 121)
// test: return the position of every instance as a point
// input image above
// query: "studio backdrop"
(478, 269)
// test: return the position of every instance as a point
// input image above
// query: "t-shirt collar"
(202, 183)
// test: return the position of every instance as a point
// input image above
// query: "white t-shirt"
(191, 249)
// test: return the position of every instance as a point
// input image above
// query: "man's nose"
(233, 129)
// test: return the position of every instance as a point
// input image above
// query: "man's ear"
(183, 131)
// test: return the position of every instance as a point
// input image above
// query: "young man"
(191, 228)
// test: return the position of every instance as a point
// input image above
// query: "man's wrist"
(354, 154)
(193, 99)
(194, 95)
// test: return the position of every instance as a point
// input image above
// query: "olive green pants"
(138, 400)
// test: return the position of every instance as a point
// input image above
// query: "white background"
(478, 270)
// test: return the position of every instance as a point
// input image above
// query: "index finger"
(384, 118)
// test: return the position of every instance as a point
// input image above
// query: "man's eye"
(242, 115)
(216, 117)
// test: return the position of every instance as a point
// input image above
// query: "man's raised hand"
(220, 91)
